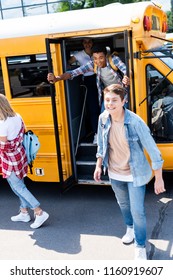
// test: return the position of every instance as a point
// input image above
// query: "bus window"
(160, 96)
(28, 75)
(1, 81)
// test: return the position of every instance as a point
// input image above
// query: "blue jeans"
(131, 202)
(27, 200)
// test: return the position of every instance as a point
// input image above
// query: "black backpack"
(162, 118)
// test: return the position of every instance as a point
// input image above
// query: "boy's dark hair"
(98, 49)
(117, 89)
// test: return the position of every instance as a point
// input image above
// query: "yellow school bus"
(30, 47)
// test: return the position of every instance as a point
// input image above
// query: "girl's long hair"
(5, 108)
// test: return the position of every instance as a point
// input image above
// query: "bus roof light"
(147, 23)
(164, 26)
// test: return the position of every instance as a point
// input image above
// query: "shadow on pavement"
(92, 211)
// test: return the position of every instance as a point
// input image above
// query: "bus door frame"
(71, 181)
(128, 45)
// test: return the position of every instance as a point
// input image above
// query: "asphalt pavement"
(85, 223)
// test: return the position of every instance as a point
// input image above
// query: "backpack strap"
(95, 68)
(30, 167)
(113, 66)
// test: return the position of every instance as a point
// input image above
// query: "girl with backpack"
(14, 166)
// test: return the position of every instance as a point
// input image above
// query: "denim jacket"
(139, 138)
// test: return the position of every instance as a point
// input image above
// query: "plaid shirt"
(90, 67)
(13, 156)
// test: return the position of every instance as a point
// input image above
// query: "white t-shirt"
(83, 58)
(10, 127)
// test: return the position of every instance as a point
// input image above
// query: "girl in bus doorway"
(13, 163)
(122, 138)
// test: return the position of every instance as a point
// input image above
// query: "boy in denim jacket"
(122, 138)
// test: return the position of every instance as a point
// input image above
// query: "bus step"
(88, 180)
(86, 162)
(85, 167)
(86, 152)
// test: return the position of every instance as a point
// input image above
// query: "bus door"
(61, 113)
(81, 147)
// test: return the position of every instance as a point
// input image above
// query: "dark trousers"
(92, 104)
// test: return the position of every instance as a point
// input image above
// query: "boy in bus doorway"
(89, 80)
(13, 163)
(105, 73)
(122, 138)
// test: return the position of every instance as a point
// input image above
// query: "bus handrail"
(81, 119)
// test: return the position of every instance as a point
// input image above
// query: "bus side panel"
(22, 45)
(37, 115)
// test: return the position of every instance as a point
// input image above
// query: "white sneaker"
(21, 217)
(39, 220)
(95, 139)
(129, 236)
(140, 253)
